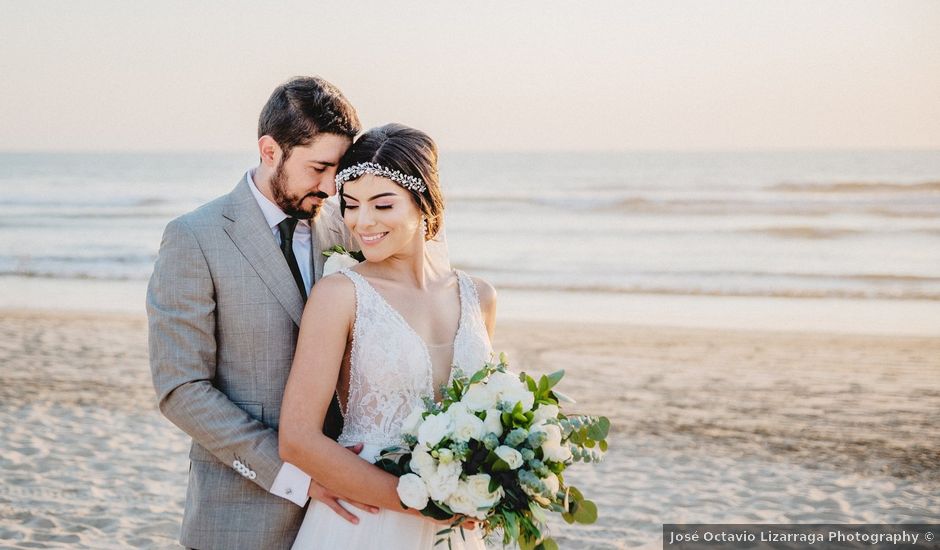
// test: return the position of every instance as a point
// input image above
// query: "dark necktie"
(286, 228)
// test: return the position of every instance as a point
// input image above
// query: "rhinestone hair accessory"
(356, 170)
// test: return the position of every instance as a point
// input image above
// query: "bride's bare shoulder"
(334, 292)
(486, 293)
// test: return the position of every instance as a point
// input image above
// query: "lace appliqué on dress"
(389, 364)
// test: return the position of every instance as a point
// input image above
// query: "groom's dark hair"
(303, 107)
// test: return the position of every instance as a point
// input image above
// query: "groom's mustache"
(318, 194)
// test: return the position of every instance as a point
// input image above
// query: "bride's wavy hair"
(411, 152)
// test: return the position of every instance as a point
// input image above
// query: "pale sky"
(482, 75)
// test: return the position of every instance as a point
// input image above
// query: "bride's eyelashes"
(377, 207)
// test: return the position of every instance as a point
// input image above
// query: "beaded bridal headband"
(357, 170)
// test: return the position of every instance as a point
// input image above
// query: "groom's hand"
(331, 499)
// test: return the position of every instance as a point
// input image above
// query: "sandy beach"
(709, 425)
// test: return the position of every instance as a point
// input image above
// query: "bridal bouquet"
(495, 450)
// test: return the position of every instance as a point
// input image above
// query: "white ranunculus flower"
(510, 456)
(413, 421)
(412, 491)
(422, 463)
(338, 261)
(443, 482)
(493, 423)
(478, 398)
(467, 426)
(545, 412)
(434, 429)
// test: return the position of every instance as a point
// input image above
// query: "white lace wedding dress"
(390, 372)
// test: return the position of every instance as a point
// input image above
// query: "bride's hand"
(331, 499)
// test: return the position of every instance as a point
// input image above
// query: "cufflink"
(288, 491)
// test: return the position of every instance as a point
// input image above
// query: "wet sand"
(710, 425)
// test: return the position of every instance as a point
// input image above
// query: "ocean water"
(861, 225)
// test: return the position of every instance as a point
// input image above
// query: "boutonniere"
(337, 258)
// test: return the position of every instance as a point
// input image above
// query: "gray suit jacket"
(224, 311)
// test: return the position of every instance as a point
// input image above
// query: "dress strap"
(469, 299)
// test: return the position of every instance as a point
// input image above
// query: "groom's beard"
(292, 204)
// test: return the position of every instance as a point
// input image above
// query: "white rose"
(493, 423)
(510, 456)
(461, 501)
(552, 433)
(412, 491)
(467, 426)
(413, 421)
(545, 412)
(552, 449)
(434, 429)
(443, 482)
(478, 398)
(507, 387)
(479, 487)
(551, 482)
(422, 463)
(556, 453)
(338, 261)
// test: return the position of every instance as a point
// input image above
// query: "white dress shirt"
(291, 482)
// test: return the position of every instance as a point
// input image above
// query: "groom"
(224, 304)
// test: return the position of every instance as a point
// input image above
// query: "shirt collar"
(272, 213)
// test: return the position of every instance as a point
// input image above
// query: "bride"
(382, 335)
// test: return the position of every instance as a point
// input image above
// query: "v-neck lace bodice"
(390, 367)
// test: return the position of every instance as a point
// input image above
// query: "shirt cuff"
(291, 483)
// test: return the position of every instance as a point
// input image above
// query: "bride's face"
(382, 216)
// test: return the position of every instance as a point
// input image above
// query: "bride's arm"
(324, 329)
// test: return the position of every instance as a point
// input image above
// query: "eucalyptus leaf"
(586, 512)
(555, 377)
(598, 430)
(478, 377)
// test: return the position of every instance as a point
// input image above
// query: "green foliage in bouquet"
(510, 431)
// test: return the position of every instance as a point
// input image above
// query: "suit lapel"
(254, 239)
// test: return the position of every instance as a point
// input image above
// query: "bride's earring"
(424, 226)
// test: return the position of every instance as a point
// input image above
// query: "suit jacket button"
(252, 475)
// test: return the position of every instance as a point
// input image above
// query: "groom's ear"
(269, 150)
